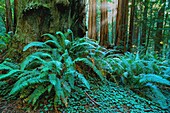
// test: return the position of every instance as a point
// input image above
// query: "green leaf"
(36, 44)
(19, 86)
(33, 57)
(67, 87)
(57, 84)
(90, 64)
(157, 96)
(146, 78)
(36, 94)
(69, 35)
(4, 67)
(10, 74)
(83, 79)
(61, 39)
(53, 42)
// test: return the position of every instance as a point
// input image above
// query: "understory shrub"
(141, 72)
(61, 62)
(52, 69)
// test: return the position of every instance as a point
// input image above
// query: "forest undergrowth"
(69, 74)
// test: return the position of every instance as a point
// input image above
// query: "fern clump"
(139, 73)
(53, 68)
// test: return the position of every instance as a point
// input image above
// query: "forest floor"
(101, 98)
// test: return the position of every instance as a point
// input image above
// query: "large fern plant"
(52, 68)
(139, 73)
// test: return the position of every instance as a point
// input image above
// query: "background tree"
(160, 25)
(8, 16)
(104, 41)
(144, 25)
(131, 28)
(92, 32)
(122, 24)
(15, 13)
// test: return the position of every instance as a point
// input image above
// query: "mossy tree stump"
(36, 17)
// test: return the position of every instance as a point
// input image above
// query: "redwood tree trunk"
(104, 40)
(121, 24)
(145, 17)
(159, 33)
(15, 13)
(8, 16)
(131, 29)
(92, 32)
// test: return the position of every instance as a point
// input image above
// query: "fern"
(90, 64)
(61, 39)
(36, 44)
(51, 68)
(10, 74)
(20, 86)
(152, 78)
(33, 57)
(157, 96)
(83, 79)
(36, 94)
(54, 40)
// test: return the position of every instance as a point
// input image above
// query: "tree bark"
(131, 29)
(144, 28)
(92, 32)
(15, 13)
(121, 24)
(104, 41)
(159, 33)
(8, 16)
(36, 17)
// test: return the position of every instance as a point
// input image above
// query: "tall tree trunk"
(92, 33)
(104, 40)
(113, 26)
(144, 26)
(8, 16)
(131, 28)
(15, 13)
(121, 24)
(159, 32)
(36, 17)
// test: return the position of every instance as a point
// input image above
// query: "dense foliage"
(63, 63)
(58, 71)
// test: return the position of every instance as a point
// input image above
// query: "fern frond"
(90, 64)
(82, 46)
(33, 57)
(71, 81)
(25, 73)
(11, 64)
(67, 87)
(83, 80)
(22, 85)
(36, 44)
(157, 96)
(57, 45)
(61, 39)
(152, 78)
(10, 74)
(59, 93)
(69, 35)
(103, 64)
(5, 67)
(58, 66)
(36, 94)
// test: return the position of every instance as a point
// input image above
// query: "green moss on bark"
(36, 17)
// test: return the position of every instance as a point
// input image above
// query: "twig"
(92, 100)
